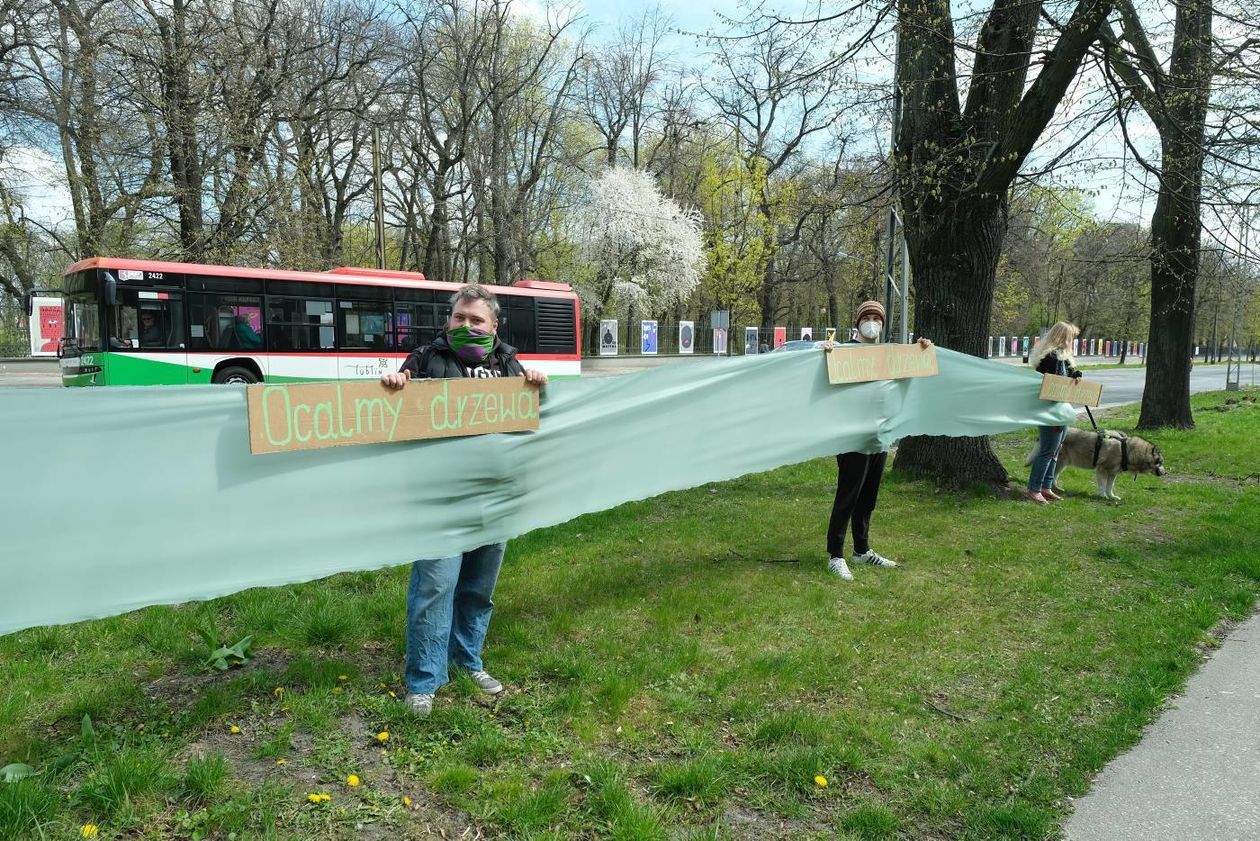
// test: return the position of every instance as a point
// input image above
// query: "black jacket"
(1052, 363)
(437, 361)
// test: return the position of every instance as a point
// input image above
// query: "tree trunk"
(181, 113)
(1175, 224)
(955, 259)
(1174, 273)
(769, 297)
(437, 257)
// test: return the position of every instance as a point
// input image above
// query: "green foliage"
(205, 778)
(27, 807)
(701, 780)
(224, 657)
(125, 783)
(453, 778)
(15, 771)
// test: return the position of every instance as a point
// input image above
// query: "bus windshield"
(83, 323)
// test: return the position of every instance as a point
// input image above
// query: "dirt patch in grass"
(178, 690)
(419, 815)
(746, 822)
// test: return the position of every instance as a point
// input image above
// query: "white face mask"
(870, 329)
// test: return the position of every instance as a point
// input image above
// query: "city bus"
(146, 322)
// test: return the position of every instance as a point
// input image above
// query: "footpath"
(1195, 776)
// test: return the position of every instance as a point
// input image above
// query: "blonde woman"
(1052, 355)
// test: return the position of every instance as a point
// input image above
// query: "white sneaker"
(870, 556)
(837, 566)
(486, 683)
(420, 705)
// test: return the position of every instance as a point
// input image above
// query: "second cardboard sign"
(867, 363)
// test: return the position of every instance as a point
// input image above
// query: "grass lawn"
(683, 667)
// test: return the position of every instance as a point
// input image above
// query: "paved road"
(28, 373)
(1125, 386)
(1195, 776)
(1119, 385)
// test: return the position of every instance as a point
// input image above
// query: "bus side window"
(516, 323)
(226, 322)
(418, 324)
(300, 324)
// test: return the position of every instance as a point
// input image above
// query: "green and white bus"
(145, 322)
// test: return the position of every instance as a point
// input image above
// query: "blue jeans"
(1049, 441)
(448, 612)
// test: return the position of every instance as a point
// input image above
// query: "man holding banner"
(449, 600)
(858, 474)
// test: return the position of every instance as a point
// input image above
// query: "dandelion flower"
(392, 695)
(234, 729)
(319, 798)
(278, 692)
(89, 830)
(406, 800)
(352, 780)
(382, 736)
(281, 761)
(820, 781)
(343, 677)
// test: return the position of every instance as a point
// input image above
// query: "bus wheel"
(235, 374)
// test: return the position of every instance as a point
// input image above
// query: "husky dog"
(1109, 453)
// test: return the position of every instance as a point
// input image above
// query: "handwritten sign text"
(331, 414)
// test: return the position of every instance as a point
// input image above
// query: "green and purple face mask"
(472, 345)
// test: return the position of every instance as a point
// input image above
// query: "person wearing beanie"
(858, 474)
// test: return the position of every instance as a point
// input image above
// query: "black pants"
(857, 490)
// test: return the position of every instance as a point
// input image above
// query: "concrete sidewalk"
(1195, 776)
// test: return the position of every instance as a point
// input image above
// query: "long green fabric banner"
(119, 498)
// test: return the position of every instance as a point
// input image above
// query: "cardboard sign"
(1067, 390)
(336, 414)
(866, 363)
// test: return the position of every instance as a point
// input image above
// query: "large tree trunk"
(955, 259)
(1174, 274)
(956, 164)
(1175, 225)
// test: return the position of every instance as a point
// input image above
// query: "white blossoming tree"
(643, 248)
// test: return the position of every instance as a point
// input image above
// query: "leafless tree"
(109, 142)
(528, 87)
(774, 97)
(618, 82)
